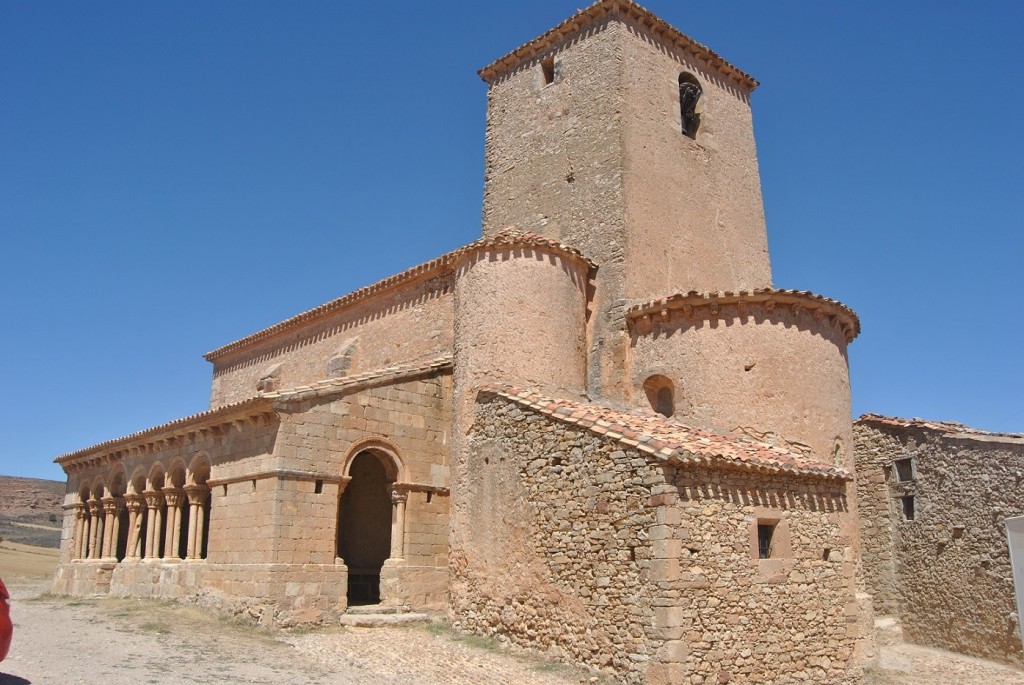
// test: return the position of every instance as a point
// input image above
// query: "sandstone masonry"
(933, 500)
(599, 430)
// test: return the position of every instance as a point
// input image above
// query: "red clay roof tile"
(670, 440)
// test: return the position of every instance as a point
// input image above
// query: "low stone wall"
(589, 549)
(272, 594)
(944, 566)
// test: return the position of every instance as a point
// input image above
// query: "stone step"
(376, 609)
(888, 631)
(363, 620)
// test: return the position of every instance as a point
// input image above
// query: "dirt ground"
(135, 642)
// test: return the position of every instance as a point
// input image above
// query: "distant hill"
(30, 510)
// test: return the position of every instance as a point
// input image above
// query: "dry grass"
(27, 561)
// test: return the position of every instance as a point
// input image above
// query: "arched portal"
(364, 526)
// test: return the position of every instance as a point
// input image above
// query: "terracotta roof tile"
(510, 237)
(177, 426)
(670, 440)
(614, 8)
(951, 428)
(259, 404)
(771, 297)
(334, 386)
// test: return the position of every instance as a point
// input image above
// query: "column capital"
(154, 498)
(174, 496)
(95, 507)
(399, 496)
(196, 493)
(112, 505)
(133, 503)
(81, 510)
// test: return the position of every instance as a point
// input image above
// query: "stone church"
(598, 430)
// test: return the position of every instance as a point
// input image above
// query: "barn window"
(904, 470)
(908, 507)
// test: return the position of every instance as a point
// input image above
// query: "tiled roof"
(669, 440)
(616, 8)
(441, 265)
(951, 428)
(337, 385)
(194, 422)
(769, 297)
(254, 406)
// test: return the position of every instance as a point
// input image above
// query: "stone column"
(134, 505)
(83, 544)
(154, 528)
(342, 484)
(398, 499)
(196, 520)
(80, 531)
(174, 498)
(111, 526)
(96, 532)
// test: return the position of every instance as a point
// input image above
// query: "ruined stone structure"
(933, 500)
(598, 430)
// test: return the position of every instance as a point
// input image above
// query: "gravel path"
(130, 642)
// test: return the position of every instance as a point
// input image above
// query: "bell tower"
(619, 136)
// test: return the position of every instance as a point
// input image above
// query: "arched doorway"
(364, 527)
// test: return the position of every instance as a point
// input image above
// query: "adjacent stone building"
(934, 498)
(599, 430)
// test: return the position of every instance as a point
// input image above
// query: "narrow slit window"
(904, 470)
(547, 69)
(765, 532)
(318, 487)
(908, 507)
(689, 94)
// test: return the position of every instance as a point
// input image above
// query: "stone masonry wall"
(558, 554)
(694, 213)
(407, 323)
(413, 417)
(947, 571)
(588, 549)
(873, 451)
(752, 369)
(790, 618)
(553, 165)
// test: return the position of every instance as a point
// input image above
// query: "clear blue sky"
(174, 176)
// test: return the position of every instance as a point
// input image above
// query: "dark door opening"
(364, 527)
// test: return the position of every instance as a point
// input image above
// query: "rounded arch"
(661, 394)
(690, 104)
(97, 489)
(156, 476)
(117, 481)
(137, 482)
(176, 473)
(384, 450)
(198, 471)
(83, 493)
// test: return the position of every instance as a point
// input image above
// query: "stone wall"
(410, 420)
(752, 367)
(946, 572)
(589, 549)
(693, 207)
(407, 322)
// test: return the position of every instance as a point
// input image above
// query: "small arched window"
(661, 394)
(689, 94)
